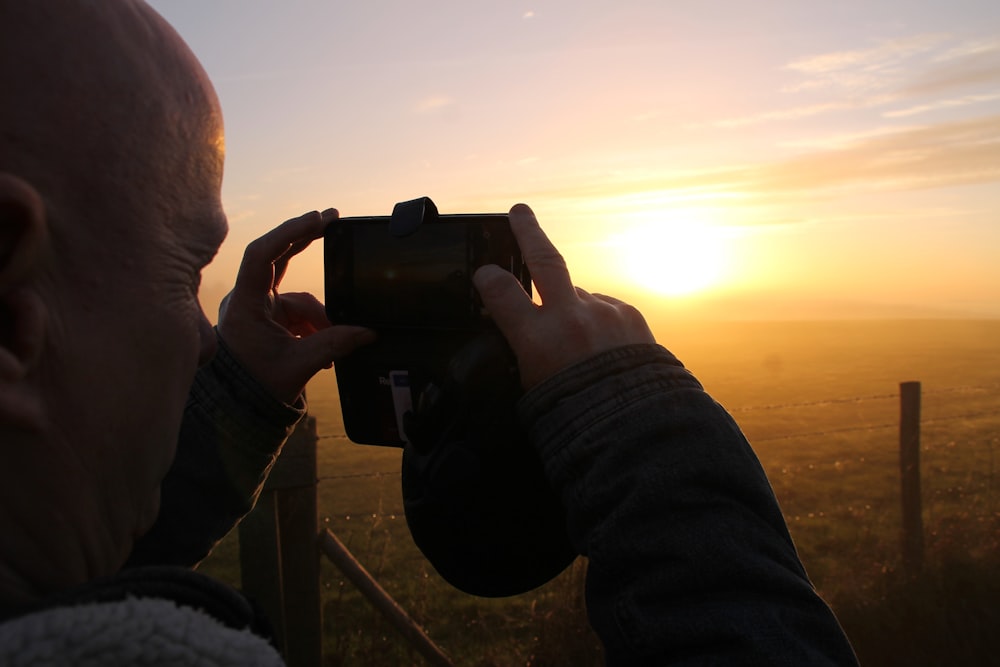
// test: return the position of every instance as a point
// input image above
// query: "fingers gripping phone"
(409, 277)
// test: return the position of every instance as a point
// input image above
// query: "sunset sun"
(676, 257)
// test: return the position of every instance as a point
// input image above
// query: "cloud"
(842, 140)
(892, 71)
(946, 154)
(922, 65)
(891, 159)
(970, 48)
(941, 104)
(884, 55)
(783, 114)
(867, 77)
(237, 215)
(980, 68)
(292, 173)
(434, 103)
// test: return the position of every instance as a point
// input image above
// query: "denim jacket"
(690, 561)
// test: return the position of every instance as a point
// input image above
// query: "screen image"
(423, 276)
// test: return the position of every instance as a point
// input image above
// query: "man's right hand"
(569, 326)
(283, 339)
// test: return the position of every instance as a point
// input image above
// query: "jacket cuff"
(559, 408)
(240, 405)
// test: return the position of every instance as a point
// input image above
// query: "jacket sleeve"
(690, 561)
(232, 432)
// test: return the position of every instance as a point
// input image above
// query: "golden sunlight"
(674, 255)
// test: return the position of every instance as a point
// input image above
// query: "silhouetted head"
(111, 152)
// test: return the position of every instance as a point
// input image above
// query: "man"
(111, 157)
(110, 171)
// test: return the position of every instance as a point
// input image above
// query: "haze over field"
(766, 160)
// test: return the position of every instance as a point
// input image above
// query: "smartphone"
(409, 277)
(420, 280)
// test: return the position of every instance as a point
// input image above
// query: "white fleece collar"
(147, 631)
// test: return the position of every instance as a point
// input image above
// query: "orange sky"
(783, 161)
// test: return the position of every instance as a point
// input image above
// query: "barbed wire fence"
(781, 406)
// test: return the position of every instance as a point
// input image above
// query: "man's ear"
(23, 240)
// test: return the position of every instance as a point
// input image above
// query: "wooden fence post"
(279, 558)
(909, 465)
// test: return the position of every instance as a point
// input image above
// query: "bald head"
(110, 176)
(105, 107)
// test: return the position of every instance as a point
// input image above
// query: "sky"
(768, 159)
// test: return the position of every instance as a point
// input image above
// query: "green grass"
(948, 615)
(791, 387)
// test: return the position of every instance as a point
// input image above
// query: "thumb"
(505, 299)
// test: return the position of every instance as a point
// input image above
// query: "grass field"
(819, 403)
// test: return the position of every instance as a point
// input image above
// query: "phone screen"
(424, 277)
(420, 280)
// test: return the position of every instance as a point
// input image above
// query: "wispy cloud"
(974, 69)
(942, 104)
(887, 159)
(970, 48)
(288, 173)
(840, 141)
(884, 56)
(912, 70)
(783, 114)
(434, 103)
(945, 154)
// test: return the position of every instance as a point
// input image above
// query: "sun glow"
(673, 254)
